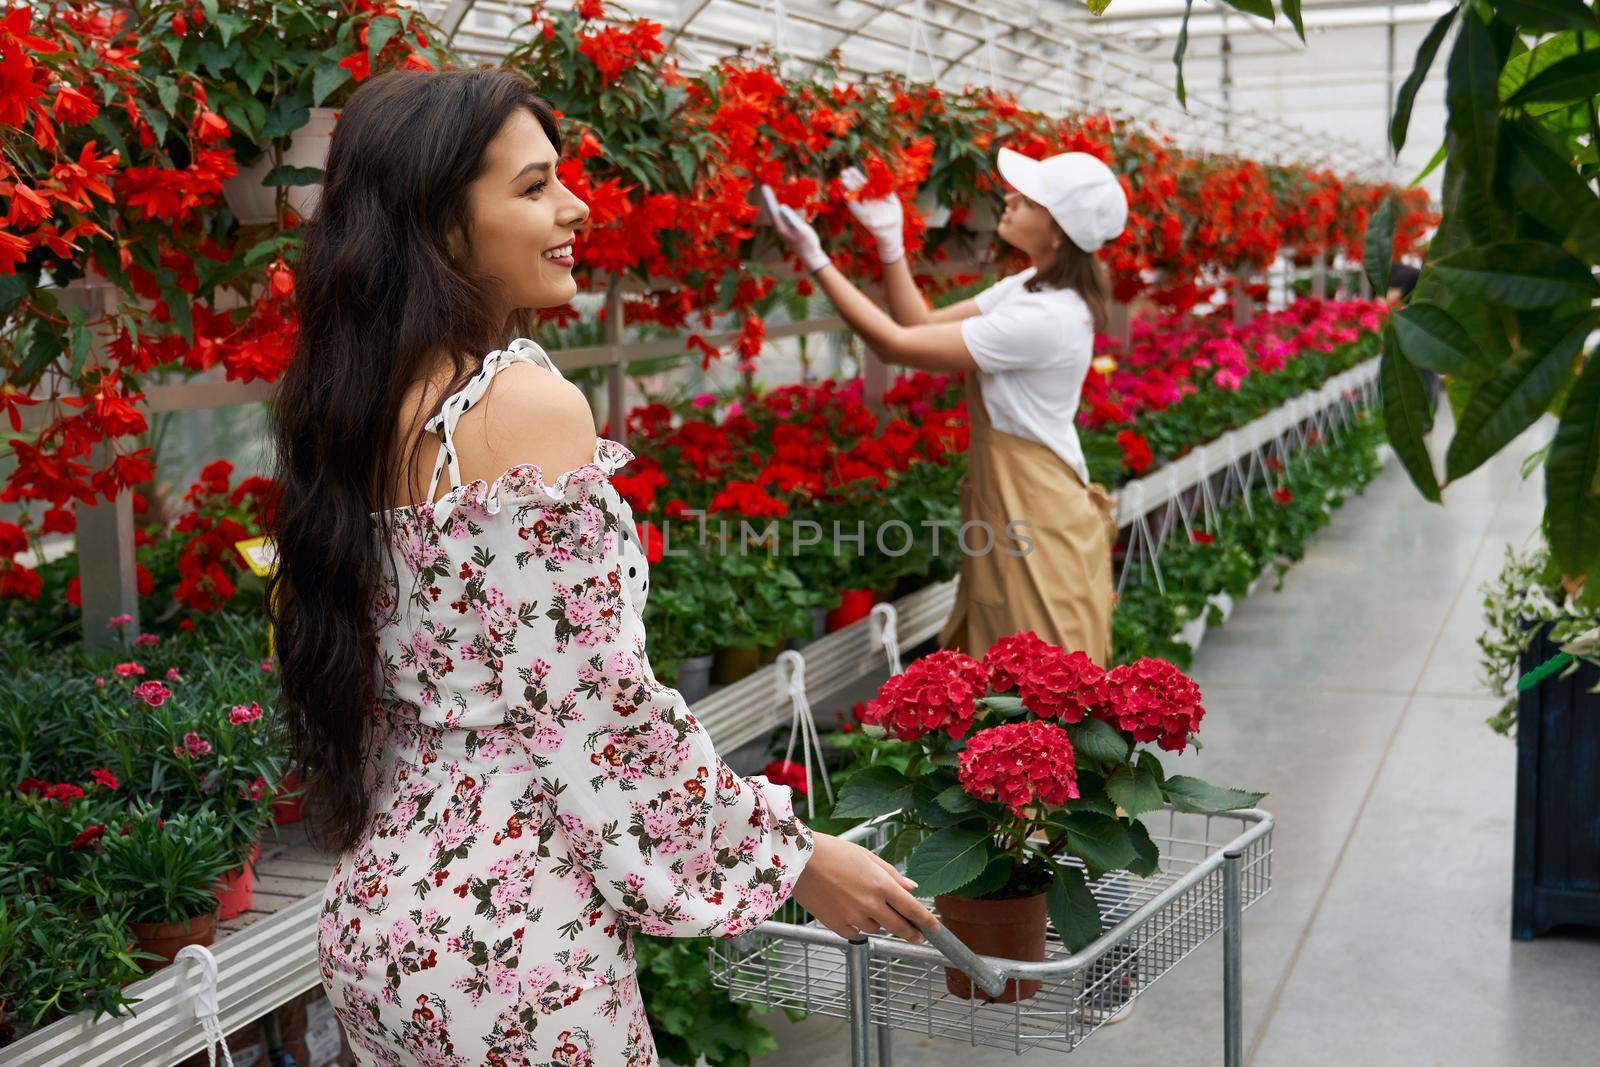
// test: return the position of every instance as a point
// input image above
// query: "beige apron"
(1061, 588)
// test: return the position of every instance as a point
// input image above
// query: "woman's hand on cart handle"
(883, 217)
(852, 890)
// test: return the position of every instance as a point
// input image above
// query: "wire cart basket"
(1212, 867)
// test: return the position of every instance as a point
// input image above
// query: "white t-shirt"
(1033, 351)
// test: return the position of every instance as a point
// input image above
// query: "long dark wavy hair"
(382, 302)
(1073, 268)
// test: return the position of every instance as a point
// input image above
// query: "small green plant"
(166, 870)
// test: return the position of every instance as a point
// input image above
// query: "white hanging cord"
(988, 49)
(804, 725)
(779, 23)
(205, 1000)
(886, 628)
(1068, 69)
(919, 32)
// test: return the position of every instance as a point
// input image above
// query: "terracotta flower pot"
(238, 887)
(854, 604)
(768, 653)
(1011, 929)
(167, 939)
(292, 810)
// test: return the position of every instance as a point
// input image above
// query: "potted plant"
(278, 72)
(1540, 653)
(1024, 786)
(165, 872)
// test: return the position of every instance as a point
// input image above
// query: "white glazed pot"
(253, 203)
(934, 214)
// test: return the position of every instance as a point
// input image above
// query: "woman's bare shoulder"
(528, 415)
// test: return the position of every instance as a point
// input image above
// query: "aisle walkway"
(1351, 696)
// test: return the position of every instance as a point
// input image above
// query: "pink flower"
(147, 640)
(243, 713)
(193, 746)
(117, 621)
(153, 693)
(105, 778)
(125, 670)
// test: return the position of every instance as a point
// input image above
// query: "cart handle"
(967, 961)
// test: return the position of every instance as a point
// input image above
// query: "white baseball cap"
(1080, 192)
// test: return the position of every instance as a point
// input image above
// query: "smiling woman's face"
(520, 214)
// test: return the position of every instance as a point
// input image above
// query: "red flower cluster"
(1020, 764)
(65, 792)
(1136, 455)
(938, 692)
(789, 773)
(1154, 701)
(1052, 682)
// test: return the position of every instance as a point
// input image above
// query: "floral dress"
(537, 794)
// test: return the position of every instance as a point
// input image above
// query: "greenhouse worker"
(1025, 345)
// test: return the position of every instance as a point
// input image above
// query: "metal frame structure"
(1050, 54)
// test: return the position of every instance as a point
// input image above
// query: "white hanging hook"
(886, 629)
(205, 1000)
(803, 723)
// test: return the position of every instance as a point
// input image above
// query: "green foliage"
(689, 1016)
(1509, 284)
(1527, 599)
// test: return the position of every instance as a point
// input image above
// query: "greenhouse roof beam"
(1210, 24)
(1082, 16)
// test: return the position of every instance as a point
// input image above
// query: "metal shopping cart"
(1212, 868)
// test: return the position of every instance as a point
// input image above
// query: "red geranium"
(1020, 764)
(789, 773)
(1136, 455)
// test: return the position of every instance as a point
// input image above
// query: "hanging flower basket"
(254, 203)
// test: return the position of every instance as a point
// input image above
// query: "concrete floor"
(1351, 696)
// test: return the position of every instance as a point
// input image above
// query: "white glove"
(884, 218)
(801, 238)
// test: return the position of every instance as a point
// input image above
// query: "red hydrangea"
(1020, 764)
(1155, 701)
(1012, 658)
(1052, 682)
(938, 692)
